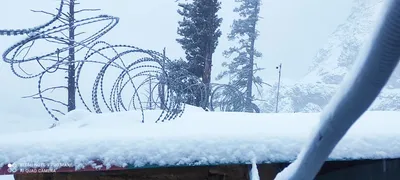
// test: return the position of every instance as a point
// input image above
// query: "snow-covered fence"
(229, 98)
(105, 77)
(127, 63)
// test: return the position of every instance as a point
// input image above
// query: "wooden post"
(71, 57)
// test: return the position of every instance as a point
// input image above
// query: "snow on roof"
(197, 138)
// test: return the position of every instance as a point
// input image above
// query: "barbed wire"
(125, 72)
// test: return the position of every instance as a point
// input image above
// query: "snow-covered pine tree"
(200, 31)
(241, 69)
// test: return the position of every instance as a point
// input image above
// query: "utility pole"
(279, 68)
(71, 57)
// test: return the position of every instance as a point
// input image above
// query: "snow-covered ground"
(197, 138)
(15, 123)
(8, 177)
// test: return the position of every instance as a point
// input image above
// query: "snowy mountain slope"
(336, 58)
(333, 61)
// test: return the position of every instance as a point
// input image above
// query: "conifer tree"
(242, 67)
(200, 31)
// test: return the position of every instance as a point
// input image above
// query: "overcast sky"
(291, 33)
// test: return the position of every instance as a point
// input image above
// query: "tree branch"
(51, 14)
(37, 11)
(83, 10)
(47, 89)
(49, 99)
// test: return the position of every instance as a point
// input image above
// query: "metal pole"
(161, 86)
(150, 94)
(279, 84)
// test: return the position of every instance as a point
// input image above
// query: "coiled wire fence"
(109, 78)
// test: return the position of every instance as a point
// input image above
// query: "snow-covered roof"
(197, 138)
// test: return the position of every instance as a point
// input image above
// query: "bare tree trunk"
(207, 75)
(71, 53)
(250, 69)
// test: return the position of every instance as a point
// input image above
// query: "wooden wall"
(343, 170)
